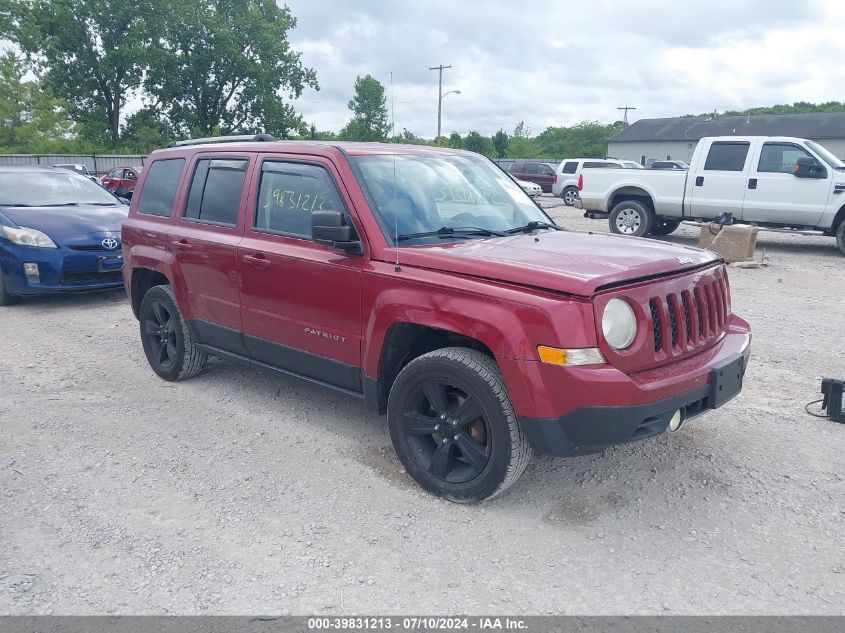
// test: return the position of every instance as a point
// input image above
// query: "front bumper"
(59, 270)
(694, 386)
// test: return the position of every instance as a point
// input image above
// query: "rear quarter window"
(160, 187)
(570, 167)
(215, 194)
(727, 156)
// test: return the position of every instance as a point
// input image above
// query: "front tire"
(840, 237)
(5, 298)
(167, 341)
(453, 426)
(631, 217)
(569, 195)
(663, 226)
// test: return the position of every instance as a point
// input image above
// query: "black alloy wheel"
(160, 333)
(453, 425)
(166, 338)
(445, 426)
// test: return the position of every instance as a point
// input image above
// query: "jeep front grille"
(695, 317)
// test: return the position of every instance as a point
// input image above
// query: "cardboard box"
(736, 242)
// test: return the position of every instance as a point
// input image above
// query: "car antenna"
(397, 268)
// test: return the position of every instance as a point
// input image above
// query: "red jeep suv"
(426, 283)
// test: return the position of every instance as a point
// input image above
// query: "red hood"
(565, 261)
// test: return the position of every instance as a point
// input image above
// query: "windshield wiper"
(533, 226)
(450, 231)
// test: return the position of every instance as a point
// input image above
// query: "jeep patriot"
(425, 282)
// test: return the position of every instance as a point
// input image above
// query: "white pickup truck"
(771, 181)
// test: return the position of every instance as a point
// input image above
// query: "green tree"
(521, 131)
(369, 112)
(91, 53)
(587, 139)
(500, 143)
(455, 141)
(225, 66)
(474, 142)
(145, 131)
(409, 138)
(31, 119)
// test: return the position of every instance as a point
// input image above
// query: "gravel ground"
(237, 492)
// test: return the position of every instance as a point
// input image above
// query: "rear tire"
(167, 341)
(631, 217)
(840, 237)
(453, 426)
(662, 226)
(569, 195)
(5, 298)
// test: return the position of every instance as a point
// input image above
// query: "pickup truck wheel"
(840, 237)
(630, 217)
(662, 226)
(570, 195)
(166, 338)
(453, 426)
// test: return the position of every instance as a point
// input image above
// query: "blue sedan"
(59, 232)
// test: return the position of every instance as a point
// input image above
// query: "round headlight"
(619, 324)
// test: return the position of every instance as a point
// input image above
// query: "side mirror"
(329, 227)
(806, 167)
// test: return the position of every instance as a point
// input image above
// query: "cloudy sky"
(561, 62)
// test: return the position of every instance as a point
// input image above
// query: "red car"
(422, 282)
(121, 181)
(543, 174)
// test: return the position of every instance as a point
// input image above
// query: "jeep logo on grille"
(684, 260)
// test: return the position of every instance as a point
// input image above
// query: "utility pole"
(625, 117)
(439, 68)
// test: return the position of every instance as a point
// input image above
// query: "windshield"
(47, 189)
(430, 193)
(826, 155)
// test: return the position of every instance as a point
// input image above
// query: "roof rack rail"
(224, 139)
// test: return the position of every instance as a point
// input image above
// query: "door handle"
(699, 181)
(752, 183)
(258, 261)
(181, 245)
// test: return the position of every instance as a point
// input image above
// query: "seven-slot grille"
(694, 317)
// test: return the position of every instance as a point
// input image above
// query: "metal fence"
(96, 163)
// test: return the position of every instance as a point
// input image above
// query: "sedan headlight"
(619, 324)
(28, 237)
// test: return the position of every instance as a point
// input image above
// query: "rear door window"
(531, 168)
(287, 195)
(727, 156)
(570, 167)
(159, 189)
(216, 189)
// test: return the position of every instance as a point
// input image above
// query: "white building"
(676, 138)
